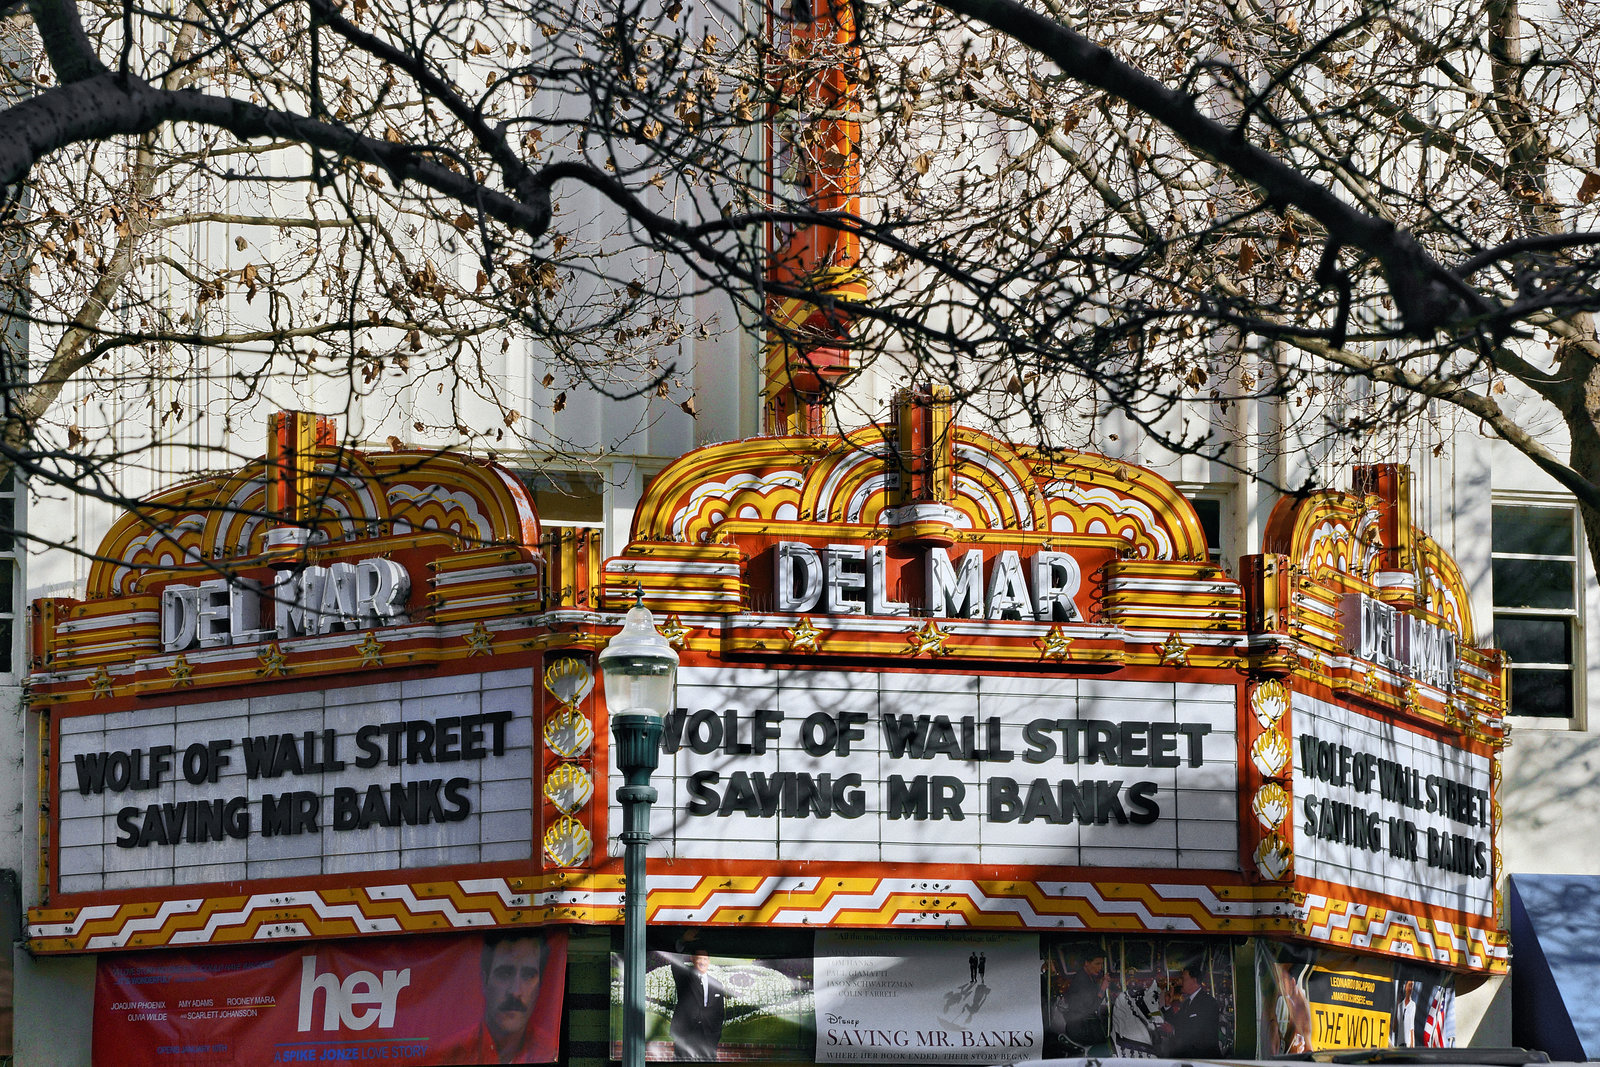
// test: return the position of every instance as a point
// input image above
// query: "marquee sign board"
(1387, 809)
(947, 769)
(424, 773)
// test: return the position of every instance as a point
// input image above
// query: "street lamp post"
(640, 671)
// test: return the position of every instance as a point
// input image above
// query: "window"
(10, 584)
(567, 498)
(1537, 588)
(1210, 512)
(572, 509)
(1213, 505)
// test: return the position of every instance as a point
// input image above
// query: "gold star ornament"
(675, 631)
(371, 650)
(1174, 652)
(805, 637)
(272, 661)
(1056, 644)
(479, 643)
(929, 638)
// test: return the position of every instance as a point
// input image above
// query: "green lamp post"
(641, 673)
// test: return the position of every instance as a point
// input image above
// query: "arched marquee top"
(859, 480)
(1364, 541)
(348, 494)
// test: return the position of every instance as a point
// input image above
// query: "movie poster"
(908, 997)
(491, 998)
(1313, 1000)
(1139, 997)
(701, 1005)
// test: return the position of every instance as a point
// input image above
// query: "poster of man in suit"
(701, 1006)
(710, 1003)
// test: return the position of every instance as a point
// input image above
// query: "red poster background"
(241, 1007)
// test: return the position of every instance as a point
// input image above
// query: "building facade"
(982, 751)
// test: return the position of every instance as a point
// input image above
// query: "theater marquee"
(929, 679)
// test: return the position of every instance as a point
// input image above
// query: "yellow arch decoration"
(845, 480)
(358, 495)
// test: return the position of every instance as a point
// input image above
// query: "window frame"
(1221, 554)
(1577, 667)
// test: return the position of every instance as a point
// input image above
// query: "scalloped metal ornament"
(569, 788)
(1270, 754)
(1269, 701)
(568, 733)
(568, 843)
(1271, 804)
(569, 681)
(1274, 859)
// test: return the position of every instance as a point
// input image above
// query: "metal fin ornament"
(568, 843)
(569, 680)
(568, 733)
(1271, 804)
(569, 788)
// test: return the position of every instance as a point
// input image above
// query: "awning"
(1555, 964)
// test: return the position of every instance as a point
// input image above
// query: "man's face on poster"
(702, 962)
(511, 987)
(1190, 983)
(1096, 966)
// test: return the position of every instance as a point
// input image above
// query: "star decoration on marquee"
(1056, 644)
(674, 631)
(479, 643)
(804, 637)
(929, 638)
(182, 673)
(272, 661)
(371, 650)
(1174, 651)
(102, 682)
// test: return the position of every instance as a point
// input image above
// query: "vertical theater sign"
(310, 711)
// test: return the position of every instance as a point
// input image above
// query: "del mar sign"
(1383, 634)
(311, 601)
(853, 579)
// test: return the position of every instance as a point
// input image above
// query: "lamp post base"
(638, 740)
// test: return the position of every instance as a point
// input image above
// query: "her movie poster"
(455, 999)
